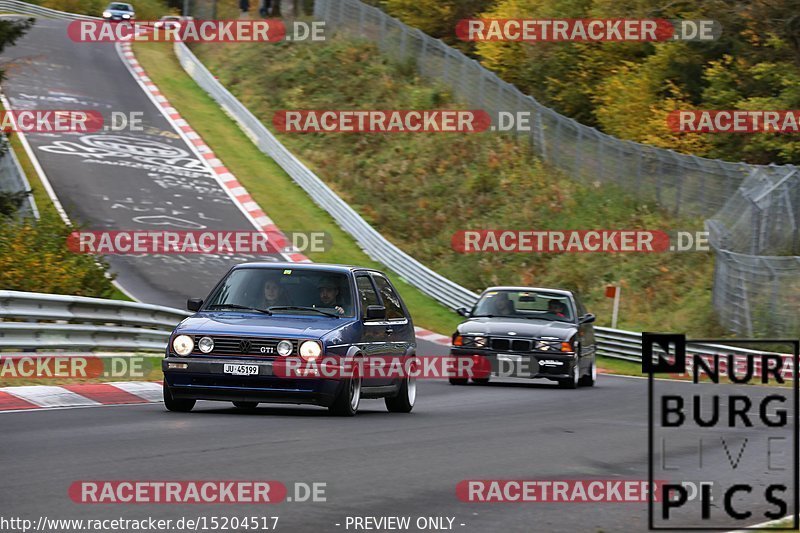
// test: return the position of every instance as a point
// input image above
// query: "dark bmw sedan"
(263, 318)
(530, 333)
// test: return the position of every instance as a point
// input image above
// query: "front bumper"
(551, 365)
(204, 379)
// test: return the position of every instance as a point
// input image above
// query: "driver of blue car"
(329, 295)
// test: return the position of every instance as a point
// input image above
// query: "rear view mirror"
(194, 304)
(463, 311)
(527, 298)
(376, 312)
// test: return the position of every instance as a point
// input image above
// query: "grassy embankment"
(418, 189)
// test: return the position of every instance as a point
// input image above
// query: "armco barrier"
(24, 8)
(373, 243)
(32, 321)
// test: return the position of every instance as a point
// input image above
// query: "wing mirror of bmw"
(463, 311)
(376, 312)
(194, 304)
(588, 318)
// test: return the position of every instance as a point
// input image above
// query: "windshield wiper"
(302, 308)
(237, 306)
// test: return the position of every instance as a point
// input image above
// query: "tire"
(405, 399)
(458, 381)
(346, 403)
(480, 381)
(574, 379)
(590, 379)
(177, 406)
(246, 405)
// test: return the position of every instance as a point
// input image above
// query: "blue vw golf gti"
(264, 318)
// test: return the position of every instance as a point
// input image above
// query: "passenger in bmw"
(503, 306)
(557, 308)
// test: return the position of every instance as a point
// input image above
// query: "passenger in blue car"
(275, 293)
(329, 295)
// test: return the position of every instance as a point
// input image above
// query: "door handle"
(389, 330)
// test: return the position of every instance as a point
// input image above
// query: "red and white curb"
(430, 336)
(226, 179)
(25, 398)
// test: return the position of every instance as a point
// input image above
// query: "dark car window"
(119, 7)
(515, 303)
(275, 287)
(366, 293)
(389, 297)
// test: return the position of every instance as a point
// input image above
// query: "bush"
(34, 257)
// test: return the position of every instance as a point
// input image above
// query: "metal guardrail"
(30, 320)
(373, 243)
(24, 8)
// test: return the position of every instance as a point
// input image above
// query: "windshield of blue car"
(119, 7)
(284, 292)
(536, 305)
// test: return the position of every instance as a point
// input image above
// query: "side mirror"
(588, 318)
(463, 311)
(194, 304)
(376, 312)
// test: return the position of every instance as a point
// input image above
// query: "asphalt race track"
(121, 180)
(375, 464)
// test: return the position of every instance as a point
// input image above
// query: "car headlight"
(206, 344)
(480, 342)
(310, 350)
(107, 14)
(183, 344)
(126, 16)
(284, 348)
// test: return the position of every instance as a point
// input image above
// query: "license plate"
(240, 370)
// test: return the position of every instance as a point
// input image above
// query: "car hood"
(521, 327)
(247, 324)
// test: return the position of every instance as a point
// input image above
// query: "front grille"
(501, 344)
(520, 345)
(524, 345)
(250, 346)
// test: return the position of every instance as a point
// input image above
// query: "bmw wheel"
(589, 379)
(574, 378)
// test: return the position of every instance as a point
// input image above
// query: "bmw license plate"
(240, 370)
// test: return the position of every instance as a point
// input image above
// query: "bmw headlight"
(183, 344)
(126, 16)
(107, 14)
(310, 350)
(284, 348)
(480, 342)
(206, 344)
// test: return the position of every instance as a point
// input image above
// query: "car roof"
(326, 267)
(562, 292)
(120, 4)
